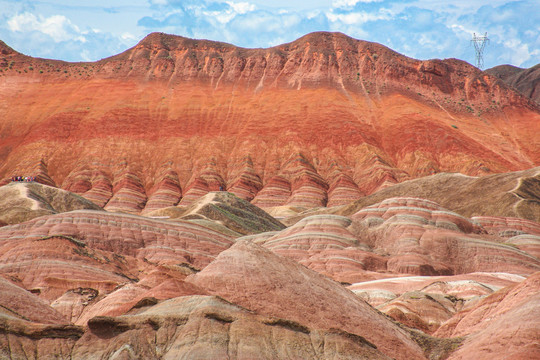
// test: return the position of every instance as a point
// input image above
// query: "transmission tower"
(479, 45)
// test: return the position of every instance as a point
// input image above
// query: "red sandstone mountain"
(319, 121)
(451, 262)
(527, 81)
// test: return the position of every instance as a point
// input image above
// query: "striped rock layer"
(332, 117)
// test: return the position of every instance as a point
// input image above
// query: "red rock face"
(335, 117)
(404, 236)
(129, 195)
(275, 193)
(167, 192)
(525, 80)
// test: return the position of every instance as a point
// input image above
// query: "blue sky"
(423, 29)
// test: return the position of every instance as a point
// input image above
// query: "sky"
(423, 29)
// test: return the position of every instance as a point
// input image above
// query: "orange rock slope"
(319, 121)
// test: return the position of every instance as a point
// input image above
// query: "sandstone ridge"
(320, 121)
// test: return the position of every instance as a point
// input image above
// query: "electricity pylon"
(479, 45)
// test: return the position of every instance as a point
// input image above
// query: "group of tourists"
(23, 178)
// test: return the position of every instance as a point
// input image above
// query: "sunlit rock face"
(166, 192)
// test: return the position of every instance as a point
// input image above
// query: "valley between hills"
(325, 198)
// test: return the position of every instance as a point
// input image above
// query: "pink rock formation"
(16, 302)
(343, 190)
(195, 189)
(308, 188)
(421, 310)
(102, 189)
(424, 239)
(159, 284)
(166, 192)
(504, 325)
(521, 233)
(259, 280)
(129, 195)
(207, 327)
(464, 286)
(127, 235)
(325, 244)
(52, 266)
(246, 182)
(427, 302)
(275, 193)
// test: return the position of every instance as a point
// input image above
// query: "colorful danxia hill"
(325, 198)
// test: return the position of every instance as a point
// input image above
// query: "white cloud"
(85, 55)
(460, 29)
(418, 28)
(519, 52)
(128, 36)
(241, 7)
(58, 27)
(356, 17)
(226, 15)
(346, 4)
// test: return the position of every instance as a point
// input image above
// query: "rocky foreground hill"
(326, 198)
